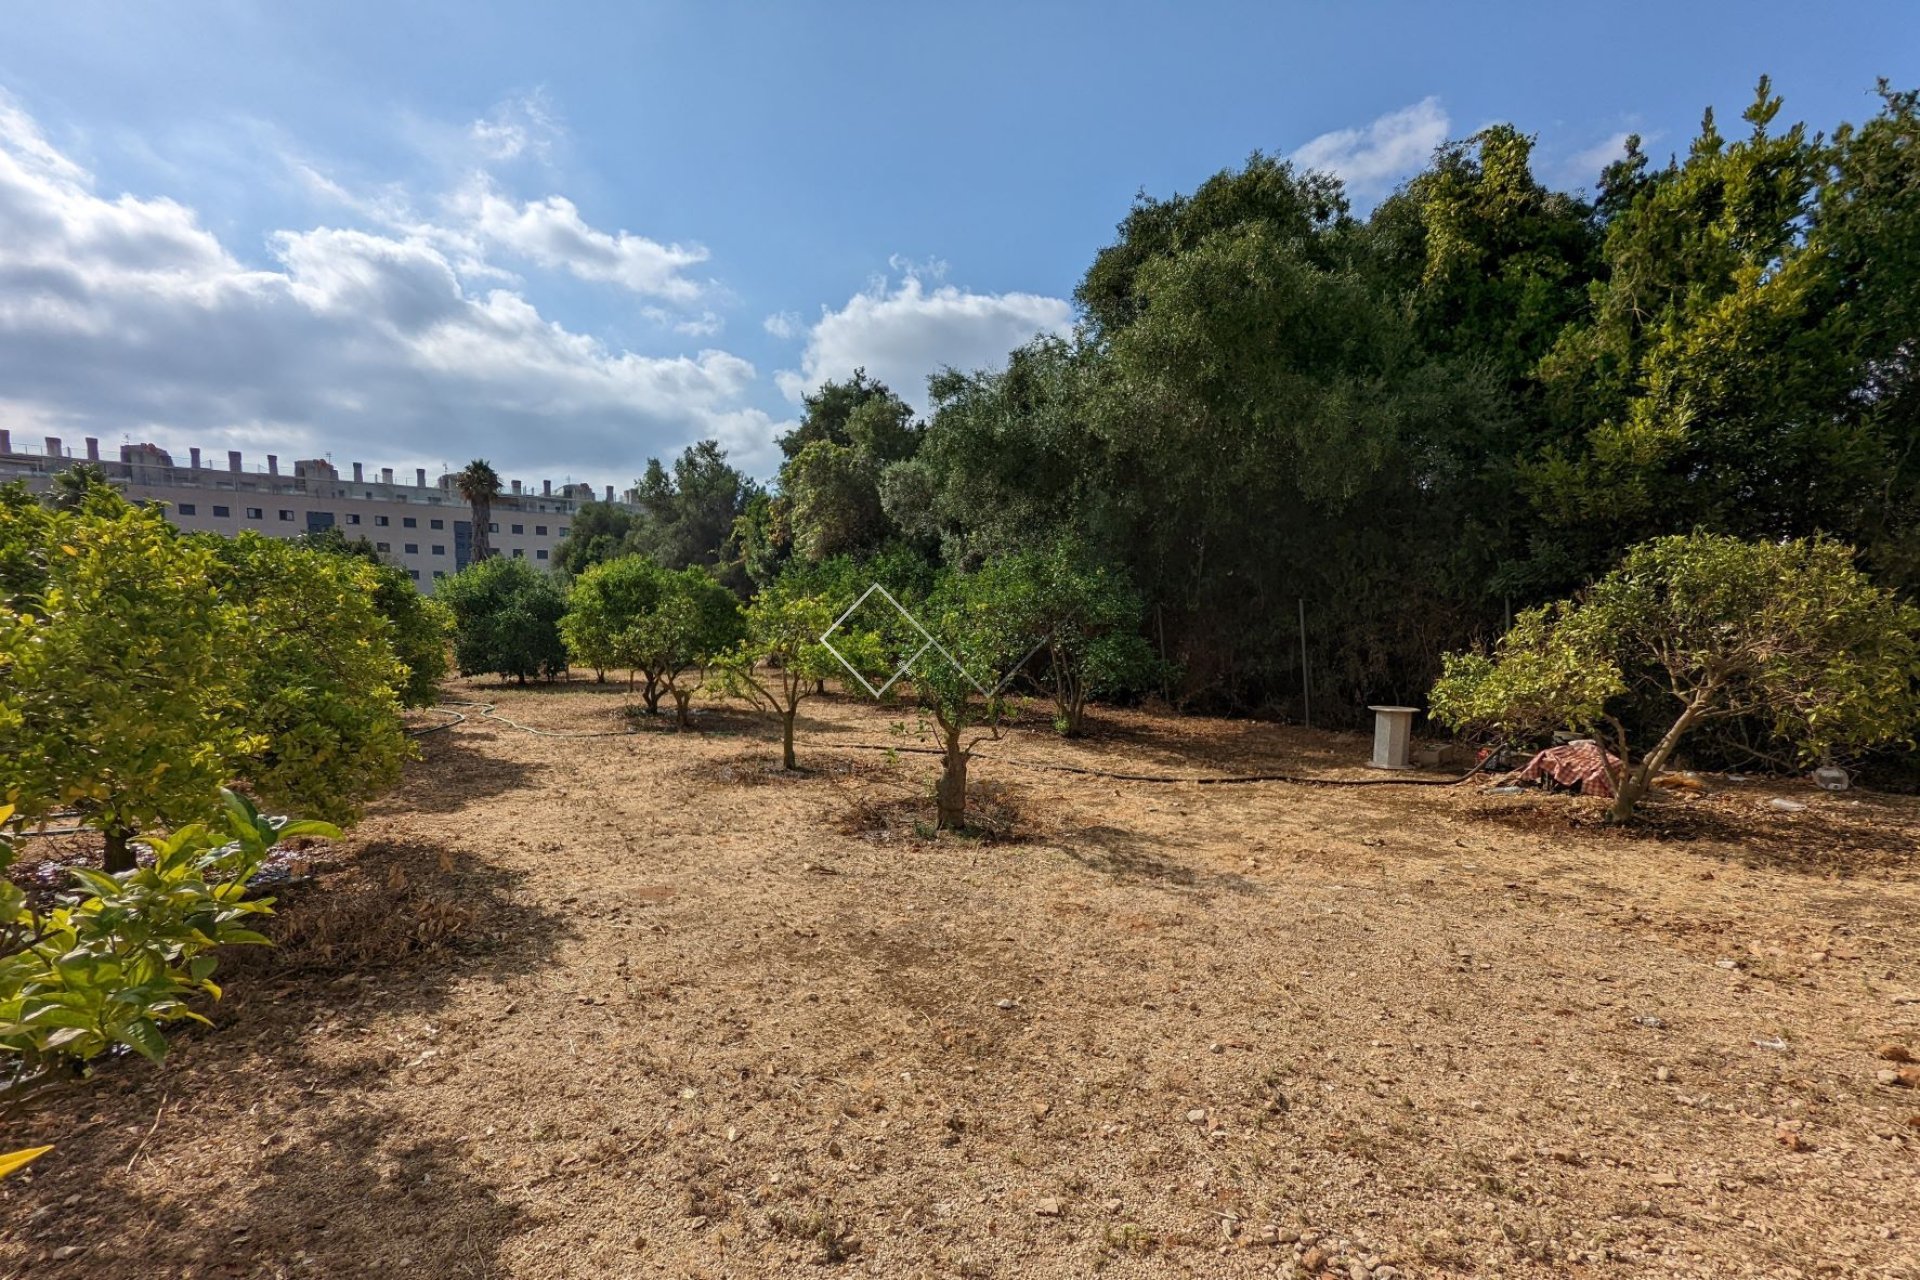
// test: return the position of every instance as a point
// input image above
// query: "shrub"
(116, 966)
(1788, 632)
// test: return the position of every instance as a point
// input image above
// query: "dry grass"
(643, 1006)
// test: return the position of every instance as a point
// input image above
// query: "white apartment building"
(425, 529)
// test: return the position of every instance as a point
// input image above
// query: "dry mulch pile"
(638, 1005)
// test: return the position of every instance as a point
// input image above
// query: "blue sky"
(569, 236)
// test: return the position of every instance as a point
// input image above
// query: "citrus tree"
(419, 625)
(696, 622)
(1082, 615)
(780, 662)
(506, 618)
(119, 689)
(1712, 627)
(320, 683)
(605, 609)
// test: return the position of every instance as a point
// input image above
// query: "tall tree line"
(1415, 422)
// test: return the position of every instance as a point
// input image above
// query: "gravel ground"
(642, 1006)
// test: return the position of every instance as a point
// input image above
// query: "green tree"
(1082, 615)
(119, 687)
(688, 514)
(319, 680)
(780, 662)
(506, 618)
(697, 622)
(479, 484)
(605, 611)
(597, 534)
(419, 626)
(1713, 627)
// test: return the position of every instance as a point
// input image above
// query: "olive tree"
(119, 689)
(1789, 633)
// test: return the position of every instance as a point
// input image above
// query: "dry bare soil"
(641, 1006)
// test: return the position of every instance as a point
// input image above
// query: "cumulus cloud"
(902, 333)
(1372, 158)
(126, 316)
(551, 233)
(784, 325)
(1583, 167)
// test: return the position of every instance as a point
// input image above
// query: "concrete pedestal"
(1392, 736)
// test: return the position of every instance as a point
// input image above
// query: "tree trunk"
(681, 697)
(119, 854)
(482, 545)
(1638, 780)
(652, 696)
(523, 679)
(599, 675)
(786, 739)
(951, 794)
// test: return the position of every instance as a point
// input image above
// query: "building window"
(185, 508)
(255, 513)
(382, 546)
(439, 573)
(493, 528)
(221, 513)
(439, 549)
(519, 528)
(541, 554)
(353, 517)
(563, 531)
(540, 529)
(286, 515)
(413, 548)
(409, 522)
(381, 521)
(414, 574)
(519, 553)
(438, 524)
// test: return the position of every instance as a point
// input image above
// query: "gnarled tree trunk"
(951, 792)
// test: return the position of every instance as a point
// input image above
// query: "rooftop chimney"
(53, 446)
(516, 486)
(546, 488)
(233, 459)
(273, 464)
(93, 449)
(609, 493)
(386, 475)
(420, 476)
(194, 453)
(6, 440)
(358, 478)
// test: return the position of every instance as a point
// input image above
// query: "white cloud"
(785, 325)
(1371, 159)
(902, 334)
(522, 126)
(1583, 167)
(126, 316)
(551, 233)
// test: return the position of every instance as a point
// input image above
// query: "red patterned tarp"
(1579, 766)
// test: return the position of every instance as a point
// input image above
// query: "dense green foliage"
(664, 624)
(116, 964)
(320, 682)
(419, 626)
(780, 662)
(1698, 628)
(506, 617)
(119, 692)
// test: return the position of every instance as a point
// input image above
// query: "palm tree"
(479, 484)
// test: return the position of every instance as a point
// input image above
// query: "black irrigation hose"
(486, 709)
(458, 718)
